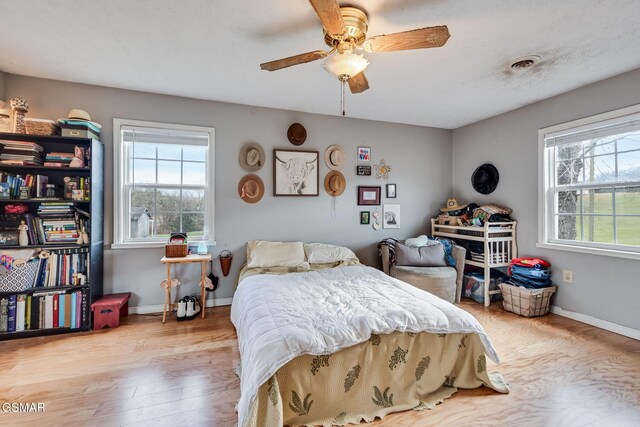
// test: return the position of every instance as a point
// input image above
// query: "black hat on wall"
(485, 178)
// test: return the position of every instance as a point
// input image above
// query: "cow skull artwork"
(295, 173)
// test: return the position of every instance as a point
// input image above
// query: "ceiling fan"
(345, 31)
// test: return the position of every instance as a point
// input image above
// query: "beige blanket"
(388, 373)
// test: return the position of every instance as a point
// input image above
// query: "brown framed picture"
(295, 173)
(368, 195)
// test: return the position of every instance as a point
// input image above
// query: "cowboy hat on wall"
(251, 157)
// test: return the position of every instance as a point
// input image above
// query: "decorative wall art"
(391, 216)
(295, 173)
(368, 195)
(364, 154)
(382, 169)
(363, 170)
(391, 191)
(376, 220)
(365, 217)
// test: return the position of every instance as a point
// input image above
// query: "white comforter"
(279, 317)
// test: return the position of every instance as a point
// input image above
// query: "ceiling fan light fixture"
(345, 65)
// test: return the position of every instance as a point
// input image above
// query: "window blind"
(159, 136)
(617, 126)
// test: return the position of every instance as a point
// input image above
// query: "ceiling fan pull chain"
(342, 99)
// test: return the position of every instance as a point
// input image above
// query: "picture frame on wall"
(391, 216)
(295, 172)
(363, 170)
(365, 217)
(391, 191)
(368, 195)
(364, 154)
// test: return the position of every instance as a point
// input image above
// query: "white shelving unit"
(500, 246)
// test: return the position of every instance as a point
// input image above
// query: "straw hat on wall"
(334, 157)
(335, 183)
(251, 157)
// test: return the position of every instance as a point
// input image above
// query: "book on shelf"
(20, 153)
(20, 312)
(4, 313)
(11, 313)
(44, 310)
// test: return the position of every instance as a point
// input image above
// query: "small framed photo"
(391, 216)
(391, 191)
(364, 154)
(365, 217)
(77, 195)
(368, 195)
(25, 193)
(363, 170)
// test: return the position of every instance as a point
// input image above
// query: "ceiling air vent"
(524, 62)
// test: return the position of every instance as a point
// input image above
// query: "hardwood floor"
(561, 373)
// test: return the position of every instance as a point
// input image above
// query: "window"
(163, 182)
(590, 178)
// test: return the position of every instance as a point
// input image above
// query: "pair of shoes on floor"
(188, 308)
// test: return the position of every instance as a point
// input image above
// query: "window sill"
(588, 250)
(153, 245)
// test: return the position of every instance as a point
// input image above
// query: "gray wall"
(2, 86)
(420, 157)
(603, 287)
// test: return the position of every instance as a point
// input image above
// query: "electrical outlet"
(567, 276)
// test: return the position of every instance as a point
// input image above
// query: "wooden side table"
(189, 259)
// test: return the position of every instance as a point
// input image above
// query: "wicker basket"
(41, 127)
(176, 250)
(527, 302)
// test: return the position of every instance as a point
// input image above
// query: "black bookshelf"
(94, 206)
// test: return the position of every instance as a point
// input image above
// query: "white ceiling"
(211, 49)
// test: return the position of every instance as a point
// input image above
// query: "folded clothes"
(531, 273)
(526, 282)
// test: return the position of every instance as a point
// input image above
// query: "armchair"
(443, 282)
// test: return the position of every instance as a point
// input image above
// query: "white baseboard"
(147, 309)
(599, 323)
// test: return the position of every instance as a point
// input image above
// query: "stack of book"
(64, 267)
(58, 222)
(44, 310)
(58, 159)
(20, 153)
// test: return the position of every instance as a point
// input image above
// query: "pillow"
(419, 241)
(425, 256)
(319, 253)
(262, 253)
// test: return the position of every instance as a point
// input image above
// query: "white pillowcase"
(262, 253)
(319, 253)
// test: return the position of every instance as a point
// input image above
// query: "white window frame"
(119, 193)
(546, 192)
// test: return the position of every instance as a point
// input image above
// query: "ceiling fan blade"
(358, 83)
(415, 39)
(329, 13)
(294, 60)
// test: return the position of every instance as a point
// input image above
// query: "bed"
(336, 342)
